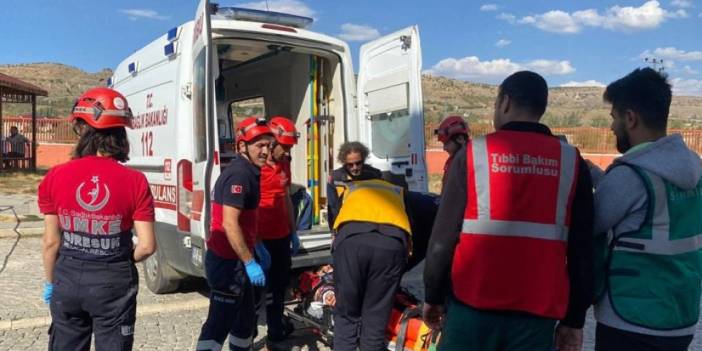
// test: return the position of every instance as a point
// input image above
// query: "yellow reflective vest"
(374, 201)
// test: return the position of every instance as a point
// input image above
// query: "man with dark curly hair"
(352, 155)
(372, 234)
(647, 224)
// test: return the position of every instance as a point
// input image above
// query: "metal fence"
(49, 130)
(587, 139)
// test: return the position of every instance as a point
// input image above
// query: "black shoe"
(288, 328)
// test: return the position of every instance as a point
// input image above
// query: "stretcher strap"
(409, 313)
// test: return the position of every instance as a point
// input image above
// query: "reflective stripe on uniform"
(208, 345)
(239, 342)
(487, 226)
(482, 177)
(660, 244)
(516, 228)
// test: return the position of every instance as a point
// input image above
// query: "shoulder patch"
(237, 189)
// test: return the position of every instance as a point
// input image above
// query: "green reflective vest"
(653, 275)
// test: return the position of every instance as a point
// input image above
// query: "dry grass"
(12, 183)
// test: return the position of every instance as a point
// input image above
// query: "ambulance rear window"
(199, 106)
(390, 121)
(252, 107)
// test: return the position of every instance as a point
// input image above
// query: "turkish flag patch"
(237, 189)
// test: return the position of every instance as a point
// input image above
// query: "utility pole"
(656, 63)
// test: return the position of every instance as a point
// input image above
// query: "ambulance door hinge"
(187, 90)
(406, 42)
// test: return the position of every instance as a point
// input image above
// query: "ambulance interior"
(263, 79)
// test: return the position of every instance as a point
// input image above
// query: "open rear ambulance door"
(205, 168)
(390, 107)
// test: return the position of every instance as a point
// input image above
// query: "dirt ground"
(435, 183)
(20, 182)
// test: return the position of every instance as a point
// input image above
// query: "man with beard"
(648, 220)
(230, 265)
(511, 248)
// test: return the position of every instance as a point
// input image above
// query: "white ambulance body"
(188, 88)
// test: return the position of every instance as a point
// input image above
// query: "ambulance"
(189, 87)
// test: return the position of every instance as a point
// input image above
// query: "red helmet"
(251, 128)
(102, 108)
(284, 130)
(451, 126)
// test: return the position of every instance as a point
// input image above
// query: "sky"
(571, 43)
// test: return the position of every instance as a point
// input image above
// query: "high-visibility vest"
(374, 201)
(511, 254)
(653, 275)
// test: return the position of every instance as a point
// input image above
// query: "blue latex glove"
(255, 273)
(48, 291)
(263, 256)
(294, 244)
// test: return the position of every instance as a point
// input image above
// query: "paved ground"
(165, 322)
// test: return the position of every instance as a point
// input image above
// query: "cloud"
(285, 6)
(502, 43)
(489, 7)
(135, 14)
(616, 18)
(553, 21)
(587, 83)
(510, 18)
(673, 54)
(682, 3)
(358, 32)
(471, 68)
(689, 71)
(687, 87)
(680, 13)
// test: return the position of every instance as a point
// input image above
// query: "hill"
(568, 107)
(64, 84)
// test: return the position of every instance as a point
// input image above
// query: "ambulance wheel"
(160, 277)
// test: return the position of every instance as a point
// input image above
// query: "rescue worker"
(352, 155)
(649, 268)
(511, 246)
(276, 225)
(453, 133)
(90, 206)
(230, 265)
(369, 252)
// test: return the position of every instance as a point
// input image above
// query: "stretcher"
(313, 302)
(313, 306)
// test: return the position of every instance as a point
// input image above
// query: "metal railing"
(587, 139)
(49, 130)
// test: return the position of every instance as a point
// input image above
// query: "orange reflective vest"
(511, 254)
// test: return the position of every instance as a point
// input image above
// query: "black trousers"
(367, 271)
(277, 279)
(231, 310)
(613, 339)
(93, 298)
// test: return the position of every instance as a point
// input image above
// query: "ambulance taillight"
(185, 194)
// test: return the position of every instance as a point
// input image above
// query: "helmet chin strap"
(246, 153)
